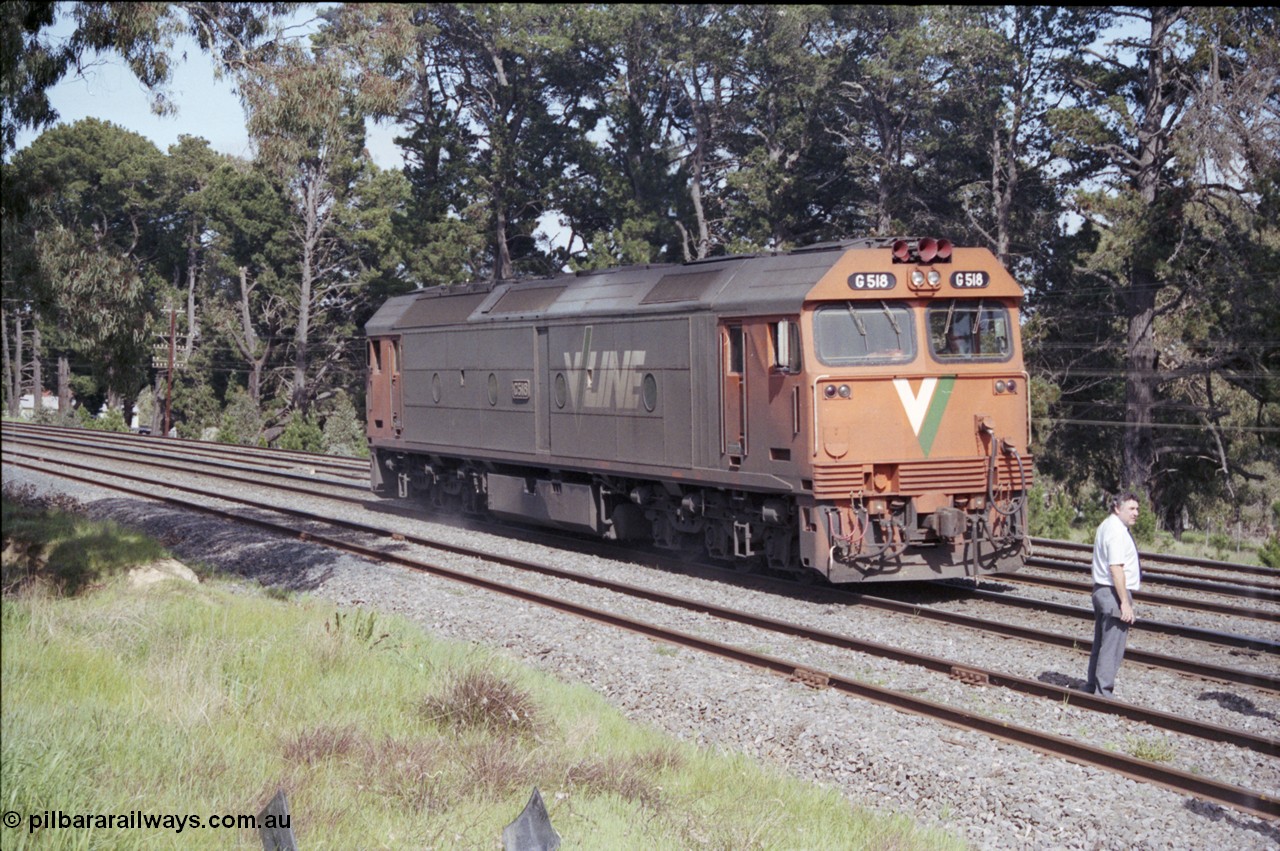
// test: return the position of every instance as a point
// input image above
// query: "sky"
(207, 107)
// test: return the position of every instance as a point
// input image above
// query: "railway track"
(1255, 802)
(1167, 564)
(250, 473)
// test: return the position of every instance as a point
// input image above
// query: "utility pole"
(168, 395)
(166, 358)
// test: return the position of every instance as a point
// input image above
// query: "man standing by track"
(1116, 576)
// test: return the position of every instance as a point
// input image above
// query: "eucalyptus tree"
(309, 128)
(1181, 110)
(141, 34)
(1029, 55)
(253, 265)
(915, 101)
(392, 48)
(24, 299)
(189, 170)
(706, 39)
(508, 72)
(492, 101)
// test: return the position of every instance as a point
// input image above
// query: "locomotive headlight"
(935, 279)
(845, 392)
(917, 278)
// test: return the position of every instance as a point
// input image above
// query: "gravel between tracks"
(992, 794)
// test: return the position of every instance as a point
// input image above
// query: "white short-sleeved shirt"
(1114, 545)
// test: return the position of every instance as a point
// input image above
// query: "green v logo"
(924, 407)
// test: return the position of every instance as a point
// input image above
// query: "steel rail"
(157, 459)
(1239, 588)
(1175, 663)
(1146, 597)
(270, 457)
(858, 596)
(1249, 642)
(1239, 797)
(1185, 561)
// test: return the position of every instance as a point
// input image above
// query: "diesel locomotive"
(856, 411)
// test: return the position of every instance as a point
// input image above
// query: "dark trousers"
(1110, 634)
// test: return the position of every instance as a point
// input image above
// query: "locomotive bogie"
(856, 413)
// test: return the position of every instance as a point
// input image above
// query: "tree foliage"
(1123, 161)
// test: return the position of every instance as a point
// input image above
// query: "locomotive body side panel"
(465, 388)
(620, 393)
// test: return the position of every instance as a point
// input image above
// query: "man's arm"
(1122, 593)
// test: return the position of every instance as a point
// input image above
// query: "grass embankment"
(204, 699)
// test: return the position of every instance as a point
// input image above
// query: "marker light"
(928, 249)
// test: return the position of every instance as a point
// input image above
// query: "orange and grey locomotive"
(854, 410)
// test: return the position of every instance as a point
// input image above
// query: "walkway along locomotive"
(856, 410)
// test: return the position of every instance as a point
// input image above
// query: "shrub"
(241, 421)
(112, 420)
(1269, 553)
(302, 434)
(344, 432)
(1051, 516)
(481, 699)
(1144, 531)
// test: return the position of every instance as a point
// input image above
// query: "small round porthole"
(435, 388)
(649, 392)
(493, 389)
(562, 390)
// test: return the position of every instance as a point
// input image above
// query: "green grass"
(1152, 749)
(64, 550)
(204, 699)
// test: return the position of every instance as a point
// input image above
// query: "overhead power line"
(1173, 426)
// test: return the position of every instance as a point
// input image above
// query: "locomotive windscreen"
(864, 333)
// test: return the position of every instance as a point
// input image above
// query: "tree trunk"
(502, 267)
(193, 261)
(1140, 381)
(158, 408)
(13, 364)
(37, 368)
(248, 341)
(1139, 302)
(64, 386)
(310, 242)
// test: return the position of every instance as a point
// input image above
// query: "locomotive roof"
(765, 284)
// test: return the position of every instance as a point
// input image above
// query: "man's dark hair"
(1123, 497)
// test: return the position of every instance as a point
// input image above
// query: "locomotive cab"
(920, 417)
